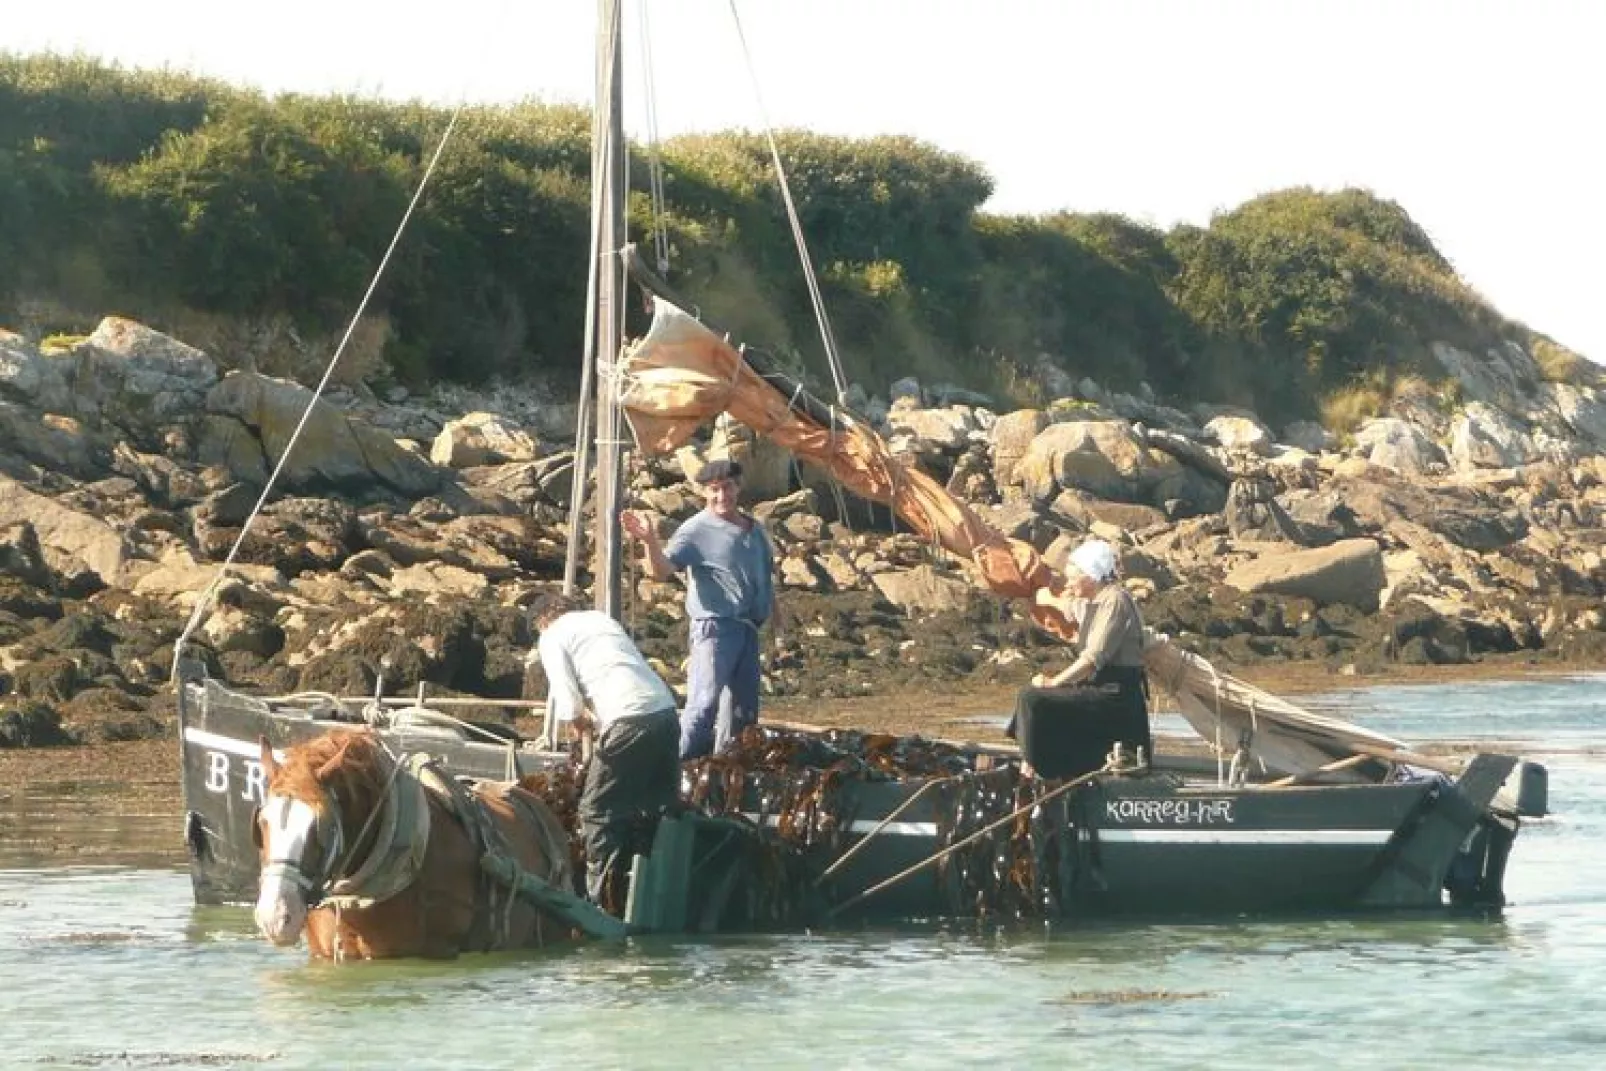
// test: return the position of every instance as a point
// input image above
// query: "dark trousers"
(721, 685)
(634, 774)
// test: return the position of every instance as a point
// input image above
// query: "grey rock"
(906, 388)
(923, 589)
(1398, 445)
(1309, 436)
(333, 452)
(1239, 433)
(1347, 572)
(1505, 376)
(482, 439)
(28, 376)
(1482, 436)
(138, 378)
(1253, 512)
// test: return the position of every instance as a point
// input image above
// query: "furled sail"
(680, 375)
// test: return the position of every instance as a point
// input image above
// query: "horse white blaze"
(281, 910)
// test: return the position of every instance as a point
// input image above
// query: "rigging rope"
(655, 163)
(205, 600)
(838, 378)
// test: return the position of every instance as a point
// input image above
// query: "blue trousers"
(721, 685)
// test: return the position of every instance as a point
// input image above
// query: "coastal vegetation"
(250, 225)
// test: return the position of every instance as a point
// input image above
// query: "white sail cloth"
(1228, 713)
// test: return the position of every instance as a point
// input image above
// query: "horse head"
(315, 800)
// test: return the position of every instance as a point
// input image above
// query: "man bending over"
(633, 774)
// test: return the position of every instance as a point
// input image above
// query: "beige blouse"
(1112, 629)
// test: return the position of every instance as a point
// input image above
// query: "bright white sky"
(1482, 118)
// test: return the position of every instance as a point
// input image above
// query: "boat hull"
(1147, 846)
(1120, 845)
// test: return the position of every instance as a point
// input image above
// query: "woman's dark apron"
(1067, 732)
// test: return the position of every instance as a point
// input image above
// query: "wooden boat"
(1310, 815)
(1165, 839)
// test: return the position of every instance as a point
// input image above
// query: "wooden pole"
(609, 177)
(842, 860)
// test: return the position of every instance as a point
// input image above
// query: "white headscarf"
(1096, 560)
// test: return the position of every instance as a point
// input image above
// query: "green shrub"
(176, 199)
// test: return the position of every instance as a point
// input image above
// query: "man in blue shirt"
(730, 593)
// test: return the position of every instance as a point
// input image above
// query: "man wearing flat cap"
(730, 593)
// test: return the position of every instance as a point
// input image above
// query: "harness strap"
(491, 926)
(554, 838)
(397, 856)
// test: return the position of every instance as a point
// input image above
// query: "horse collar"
(396, 854)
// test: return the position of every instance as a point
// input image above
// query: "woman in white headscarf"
(1110, 629)
(1106, 680)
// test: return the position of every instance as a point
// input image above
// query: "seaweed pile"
(996, 875)
(797, 788)
(796, 782)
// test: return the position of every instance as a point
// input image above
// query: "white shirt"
(588, 657)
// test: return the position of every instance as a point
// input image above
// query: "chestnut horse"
(375, 860)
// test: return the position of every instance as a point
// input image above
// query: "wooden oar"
(1006, 750)
(984, 830)
(1331, 767)
(884, 823)
(1409, 758)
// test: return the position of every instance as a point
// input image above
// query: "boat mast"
(604, 319)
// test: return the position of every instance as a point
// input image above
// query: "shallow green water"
(114, 967)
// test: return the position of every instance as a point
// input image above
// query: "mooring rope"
(655, 162)
(827, 337)
(205, 600)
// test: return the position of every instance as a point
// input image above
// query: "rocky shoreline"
(406, 534)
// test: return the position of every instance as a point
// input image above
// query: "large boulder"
(1105, 458)
(52, 441)
(1241, 434)
(1350, 571)
(1583, 408)
(30, 377)
(1309, 436)
(1190, 453)
(178, 578)
(1399, 445)
(941, 431)
(73, 542)
(333, 452)
(526, 484)
(923, 589)
(1458, 515)
(1253, 512)
(138, 378)
(433, 581)
(1505, 375)
(482, 439)
(1482, 436)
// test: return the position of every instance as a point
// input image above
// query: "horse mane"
(352, 758)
